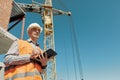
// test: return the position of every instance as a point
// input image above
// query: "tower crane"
(47, 11)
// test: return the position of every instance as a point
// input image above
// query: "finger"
(45, 55)
(41, 56)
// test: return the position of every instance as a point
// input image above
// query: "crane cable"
(59, 1)
(76, 47)
(73, 54)
(66, 57)
(75, 41)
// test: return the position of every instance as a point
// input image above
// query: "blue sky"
(97, 28)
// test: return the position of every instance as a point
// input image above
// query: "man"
(25, 60)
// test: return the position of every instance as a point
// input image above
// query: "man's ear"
(29, 32)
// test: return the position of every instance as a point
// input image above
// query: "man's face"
(34, 33)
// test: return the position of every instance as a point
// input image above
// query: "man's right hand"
(34, 55)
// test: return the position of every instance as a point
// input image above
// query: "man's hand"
(38, 56)
(43, 59)
(34, 55)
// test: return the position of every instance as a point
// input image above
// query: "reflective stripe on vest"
(24, 75)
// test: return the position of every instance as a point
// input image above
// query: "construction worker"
(24, 60)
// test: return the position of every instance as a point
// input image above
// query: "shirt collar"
(30, 41)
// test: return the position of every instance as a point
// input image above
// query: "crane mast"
(49, 39)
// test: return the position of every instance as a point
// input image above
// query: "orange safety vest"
(28, 71)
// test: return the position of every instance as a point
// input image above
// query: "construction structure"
(47, 11)
(5, 12)
(2, 66)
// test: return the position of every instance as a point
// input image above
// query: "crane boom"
(38, 8)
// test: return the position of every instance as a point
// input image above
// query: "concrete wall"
(5, 12)
(2, 66)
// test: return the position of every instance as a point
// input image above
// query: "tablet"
(50, 53)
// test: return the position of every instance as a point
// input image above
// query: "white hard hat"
(34, 25)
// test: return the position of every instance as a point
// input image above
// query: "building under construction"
(15, 13)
